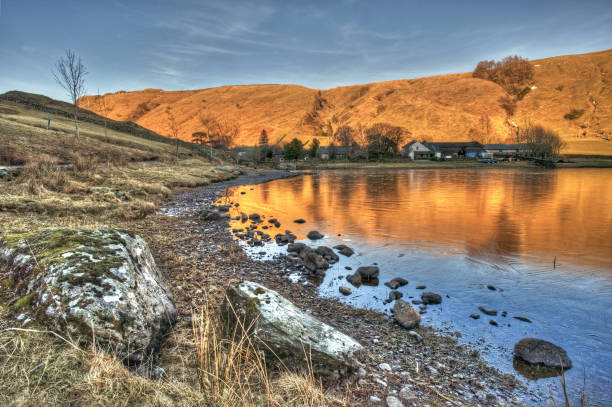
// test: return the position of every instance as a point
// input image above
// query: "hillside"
(439, 108)
(103, 174)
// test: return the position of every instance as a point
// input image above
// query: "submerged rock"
(488, 311)
(344, 250)
(314, 235)
(313, 261)
(396, 282)
(405, 314)
(431, 298)
(354, 279)
(327, 253)
(368, 273)
(285, 332)
(84, 282)
(296, 247)
(541, 352)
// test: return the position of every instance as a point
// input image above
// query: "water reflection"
(489, 214)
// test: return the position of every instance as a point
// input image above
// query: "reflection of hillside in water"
(487, 214)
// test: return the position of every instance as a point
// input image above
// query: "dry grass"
(233, 370)
(113, 176)
(39, 367)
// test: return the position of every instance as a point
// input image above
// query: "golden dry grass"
(440, 108)
(112, 175)
(39, 367)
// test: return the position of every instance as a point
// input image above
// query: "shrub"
(508, 104)
(512, 73)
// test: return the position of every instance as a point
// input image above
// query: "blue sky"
(130, 45)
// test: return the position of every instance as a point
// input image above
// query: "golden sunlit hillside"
(440, 108)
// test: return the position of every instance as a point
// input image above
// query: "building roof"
(503, 146)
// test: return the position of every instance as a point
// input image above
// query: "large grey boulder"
(540, 352)
(285, 332)
(101, 282)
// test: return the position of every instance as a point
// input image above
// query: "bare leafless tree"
(70, 74)
(103, 108)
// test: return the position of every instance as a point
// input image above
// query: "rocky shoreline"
(416, 368)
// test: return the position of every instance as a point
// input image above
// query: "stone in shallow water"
(431, 298)
(103, 281)
(368, 273)
(314, 235)
(287, 332)
(344, 250)
(488, 311)
(540, 352)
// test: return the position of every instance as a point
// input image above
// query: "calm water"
(543, 237)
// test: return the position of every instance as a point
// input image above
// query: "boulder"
(431, 298)
(212, 214)
(541, 352)
(254, 216)
(313, 261)
(296, 247)
(314, 235)
(327, 253)
(284, 332)
(344, 250)
(85, 282)
(405, 314)
(354, 279)
(368, 273)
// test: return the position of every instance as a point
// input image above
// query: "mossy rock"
(85, 282)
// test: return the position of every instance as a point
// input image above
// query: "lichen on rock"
(84, 283)
(285, 332)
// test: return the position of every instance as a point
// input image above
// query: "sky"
(188, 44)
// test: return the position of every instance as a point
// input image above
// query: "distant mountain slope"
(439, 108)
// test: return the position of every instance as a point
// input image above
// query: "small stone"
(344, 290)
(416, 336)
(393, 401)
(375, 400)
(385, 367)
(488, 311)
(493, 322)
(491, 287)
(395, 295)
(475, 316)
(421, 287)
(314, 235)
(299, 221)
(522, 318)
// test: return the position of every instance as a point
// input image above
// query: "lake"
(542, 237)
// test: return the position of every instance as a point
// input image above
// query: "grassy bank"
(99, 176)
